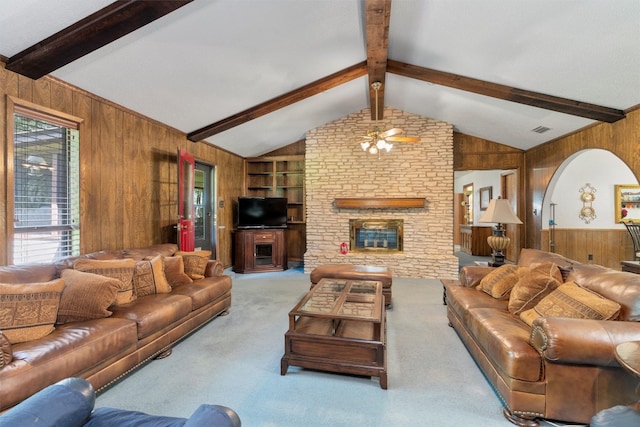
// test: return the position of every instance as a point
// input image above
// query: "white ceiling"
(214, 58)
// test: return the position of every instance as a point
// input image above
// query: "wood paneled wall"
(128, 169)
(536, 168)
(472, 153)
(578, 243)
(622, 138)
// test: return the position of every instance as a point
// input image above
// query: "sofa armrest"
(581, 341)
(471, 275)
(65, 403)
(213, 415)
(214, 268)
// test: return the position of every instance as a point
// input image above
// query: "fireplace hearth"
(376, 235)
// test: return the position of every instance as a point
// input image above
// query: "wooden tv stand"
(260, 250)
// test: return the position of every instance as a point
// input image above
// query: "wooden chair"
(634, 231)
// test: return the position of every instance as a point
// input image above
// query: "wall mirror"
(627, 203)
(486, 194)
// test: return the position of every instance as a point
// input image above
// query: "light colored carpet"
(235, 361)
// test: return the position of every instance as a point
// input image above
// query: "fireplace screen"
(379, 235)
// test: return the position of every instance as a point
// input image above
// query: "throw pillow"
(28, 311)
(195, 263)
(86, 296)
(571, 300)
(149, 277)
(6, 354)
(498, 283)
(174, 271)
(533, 286)
(121, 269)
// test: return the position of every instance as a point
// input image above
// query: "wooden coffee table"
(339, 326)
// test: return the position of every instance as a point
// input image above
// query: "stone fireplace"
(337, 168)
(382, 236)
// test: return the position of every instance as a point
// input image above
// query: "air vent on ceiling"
(540, 129)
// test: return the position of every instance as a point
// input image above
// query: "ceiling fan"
(377, 140)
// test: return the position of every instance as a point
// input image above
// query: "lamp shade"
(500, 211)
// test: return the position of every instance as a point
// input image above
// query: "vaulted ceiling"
(250, 76)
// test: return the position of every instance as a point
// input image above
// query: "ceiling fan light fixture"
(377, 140)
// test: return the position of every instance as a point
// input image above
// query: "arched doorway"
(583, 238)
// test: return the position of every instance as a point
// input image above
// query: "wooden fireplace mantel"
(379, 203)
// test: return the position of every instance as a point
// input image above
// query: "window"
(46, 204)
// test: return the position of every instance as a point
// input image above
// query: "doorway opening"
(204, 204)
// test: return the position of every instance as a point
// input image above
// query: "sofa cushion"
(205, 291)
(533, 286)
(28, 311)
(73, 349)
(86, 296)
(619, 286)
(570, 300)
(6, 354)
(499, 282)
(505, 340)
(195, 263)
(149, 277)
(460, 299)
(153, 313)
(174, 271)
(54, 406)
(121, 269)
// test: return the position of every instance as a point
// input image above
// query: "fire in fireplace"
(377, 235)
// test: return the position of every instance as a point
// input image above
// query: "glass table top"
(344, 298)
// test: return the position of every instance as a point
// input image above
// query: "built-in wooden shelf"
(379, 203)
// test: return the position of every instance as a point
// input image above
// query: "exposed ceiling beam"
(306, 91)
(93, 32)
(508, 93)
(377, 16)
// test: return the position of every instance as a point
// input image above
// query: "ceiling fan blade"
(403, 139)
(368, 138)
(391, 132)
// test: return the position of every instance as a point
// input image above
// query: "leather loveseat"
(545, 361)
(104, 348)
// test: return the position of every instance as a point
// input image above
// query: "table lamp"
(499, 212)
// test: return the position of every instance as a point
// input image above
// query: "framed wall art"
(486, 193)
(627, 203)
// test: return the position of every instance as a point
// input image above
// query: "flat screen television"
(262, 212)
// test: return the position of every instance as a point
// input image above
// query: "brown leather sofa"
(558, 368)
(104, 350)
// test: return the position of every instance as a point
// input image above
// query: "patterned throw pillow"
(571, 300)
(195, 263)
(149, 278)
(121, 269)
(498, 283)
(6, 354)
(28, 311)
(86, 296)
(540, 281)
(174, 271)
